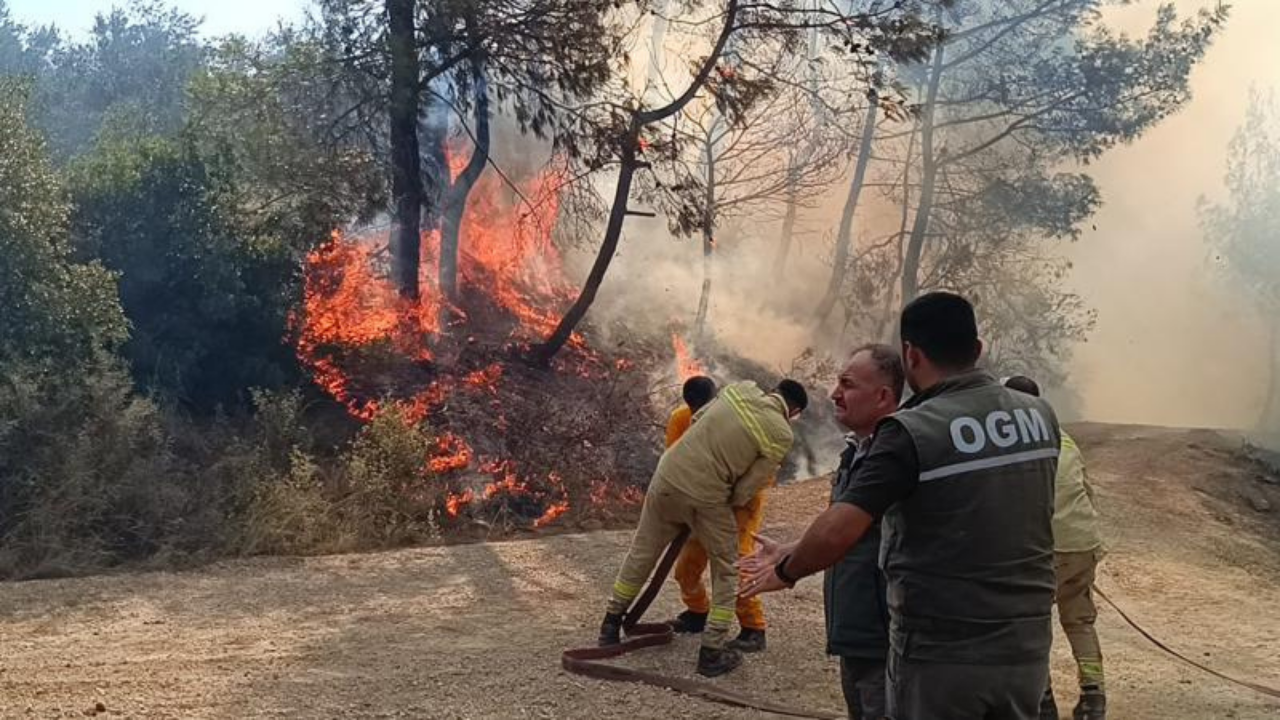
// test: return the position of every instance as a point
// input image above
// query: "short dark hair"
(1022, 384)
(888, 363)
(794, 393)
(942, 325)
(698, 391)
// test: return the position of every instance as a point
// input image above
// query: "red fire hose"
(586, 661)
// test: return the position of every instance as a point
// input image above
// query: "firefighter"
(697, 392)
(1077, 549)
(963, 478)
(722, 461)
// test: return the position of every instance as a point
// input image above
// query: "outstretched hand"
(760, 581)
(756, 573)
(767, 553)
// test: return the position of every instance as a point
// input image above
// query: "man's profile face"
(861, 395)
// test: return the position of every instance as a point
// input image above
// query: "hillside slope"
(475, 631)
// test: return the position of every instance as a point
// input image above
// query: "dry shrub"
(389, 496)
(84, 473)
(378, 492)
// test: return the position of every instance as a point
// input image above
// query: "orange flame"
(456, 501)
(686, 365)
(451, 453)
(553, 511)
(506, 256)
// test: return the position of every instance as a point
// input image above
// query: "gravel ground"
(475, 631)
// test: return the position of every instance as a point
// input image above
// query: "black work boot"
(610, 630)
(714, 663)
(689, 622)
(1048, 706)
(1092, 705)
(748, 641)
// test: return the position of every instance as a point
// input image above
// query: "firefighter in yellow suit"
(730, 452)
(697, 392)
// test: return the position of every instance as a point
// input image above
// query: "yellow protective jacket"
(732, 450)
(1075, 518)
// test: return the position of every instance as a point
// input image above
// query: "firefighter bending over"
(697, 392)
(732, 450)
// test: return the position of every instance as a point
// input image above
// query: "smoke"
(1175, 343)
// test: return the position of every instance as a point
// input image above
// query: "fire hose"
(1256, 687)
(586, 661)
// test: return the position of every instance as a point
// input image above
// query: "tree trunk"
(844, 236)
(543, 353)
(406, 180)
(455, 205)
(618, 211)
(887, 314)
(708, 231)
(928, 182)
(788, 225)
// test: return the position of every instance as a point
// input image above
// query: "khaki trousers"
(1077, 613)
(664, 513)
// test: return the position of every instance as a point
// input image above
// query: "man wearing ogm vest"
(963, 476)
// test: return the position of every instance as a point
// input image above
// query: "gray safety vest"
(969, 554)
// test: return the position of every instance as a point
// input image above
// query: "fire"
(554, 511)
(456, 501)
(351, 312)
(686, 365)
(486, 378)
(451, 453)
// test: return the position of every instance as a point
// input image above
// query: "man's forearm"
(828, 538)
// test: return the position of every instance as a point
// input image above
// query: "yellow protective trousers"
(693, 560)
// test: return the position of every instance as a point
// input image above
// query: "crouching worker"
(697, 392)
(732, 450)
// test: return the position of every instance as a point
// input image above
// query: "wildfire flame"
(506, 257)
(686, 365)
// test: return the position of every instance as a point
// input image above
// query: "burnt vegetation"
(332, 289)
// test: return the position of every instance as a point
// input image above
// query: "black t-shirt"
(887, 474)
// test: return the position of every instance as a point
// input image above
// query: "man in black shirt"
(963, 477)
(857, 615)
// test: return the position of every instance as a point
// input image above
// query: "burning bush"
(500, 443)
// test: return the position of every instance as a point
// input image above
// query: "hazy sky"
(221, 17)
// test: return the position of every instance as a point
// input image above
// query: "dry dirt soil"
(475, 631)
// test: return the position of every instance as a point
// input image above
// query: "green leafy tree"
(207, 297)
(55, 309)
(1245, 228)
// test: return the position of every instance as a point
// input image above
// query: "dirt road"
(475, 631)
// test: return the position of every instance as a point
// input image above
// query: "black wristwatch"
(782, 573)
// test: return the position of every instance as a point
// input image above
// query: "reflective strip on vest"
(770, 449)
(987, 463)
